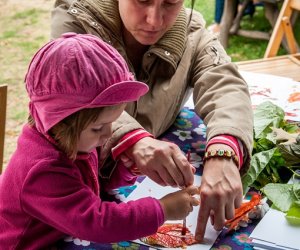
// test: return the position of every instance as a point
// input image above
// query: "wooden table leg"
(237, 20)
(227, 19)
(271, 12)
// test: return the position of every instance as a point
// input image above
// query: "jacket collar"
(170, 47)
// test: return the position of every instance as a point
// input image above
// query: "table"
(230, 24)
(188, 132)
(285, 66)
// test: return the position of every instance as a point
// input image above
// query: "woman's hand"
(220, 192)
(162, 161)
(178, 205)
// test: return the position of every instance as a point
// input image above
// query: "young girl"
(77, 85)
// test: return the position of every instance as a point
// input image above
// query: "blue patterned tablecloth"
(189, 133)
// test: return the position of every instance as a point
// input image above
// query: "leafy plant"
(275, 161)
(270, 160)
(286, 198)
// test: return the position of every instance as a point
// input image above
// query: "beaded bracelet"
(221, 153)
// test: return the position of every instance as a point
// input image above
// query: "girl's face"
(97, 132)
(148, 20)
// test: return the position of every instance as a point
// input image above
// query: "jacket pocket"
(218, 55)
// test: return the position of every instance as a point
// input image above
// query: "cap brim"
(55, 111)
(122, 92)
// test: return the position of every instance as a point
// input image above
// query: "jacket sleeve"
(220, 94)
(58, 197)
(123, 125)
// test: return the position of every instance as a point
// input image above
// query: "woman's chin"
(148, 40)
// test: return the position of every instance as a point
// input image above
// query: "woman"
(170, 49)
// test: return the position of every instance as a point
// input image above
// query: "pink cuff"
(128, 140)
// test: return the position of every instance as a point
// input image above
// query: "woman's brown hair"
(192, 7)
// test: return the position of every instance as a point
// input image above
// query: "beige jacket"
(187, 59)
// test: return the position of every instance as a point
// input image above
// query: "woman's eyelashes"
(168, 2)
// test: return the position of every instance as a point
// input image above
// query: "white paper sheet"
(150, 188)
(274, 232)
(282, 91)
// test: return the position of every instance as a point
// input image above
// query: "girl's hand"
(178, 205)
(126, 161)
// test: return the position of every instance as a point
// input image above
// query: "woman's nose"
(154, 17)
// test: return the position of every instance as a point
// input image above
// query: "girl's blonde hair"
(67, 132)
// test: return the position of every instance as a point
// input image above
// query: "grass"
(25, 27)
(242, 48)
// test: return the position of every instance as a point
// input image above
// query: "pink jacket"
(44, 196)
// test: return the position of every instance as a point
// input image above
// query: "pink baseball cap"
(74, 72)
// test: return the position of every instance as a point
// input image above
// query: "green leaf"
(262, 127)
(264, 144)
(293, 215)
(262, 180)
(266, 115)
(271, 138)
(258, 162)
(290, 152)
(296, 191)
(282, 195)
(290, 128)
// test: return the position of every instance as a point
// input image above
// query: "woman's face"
(148, 20)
